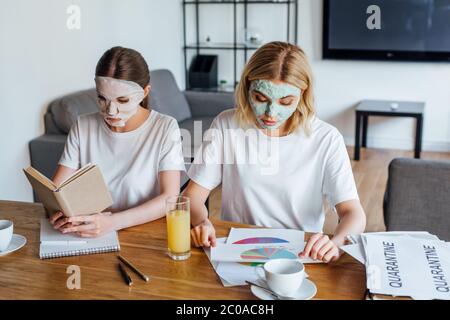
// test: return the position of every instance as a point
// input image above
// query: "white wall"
(41, 59)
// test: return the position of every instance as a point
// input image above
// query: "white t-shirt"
(277, 182)
(129, 161)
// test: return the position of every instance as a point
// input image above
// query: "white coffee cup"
(283, 276)
(6, 233)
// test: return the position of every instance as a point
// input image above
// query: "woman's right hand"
(204, 234)
(58, 221)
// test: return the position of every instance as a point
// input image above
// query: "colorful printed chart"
(267, 253)
(260, 240)
(252, 264)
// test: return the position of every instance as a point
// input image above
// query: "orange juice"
(179, 234)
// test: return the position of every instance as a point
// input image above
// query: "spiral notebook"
(54, 244)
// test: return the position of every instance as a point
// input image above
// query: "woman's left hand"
(320, 247)
(89, 226)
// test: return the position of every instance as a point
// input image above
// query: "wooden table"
(24, 276)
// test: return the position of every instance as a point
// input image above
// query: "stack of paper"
(413, 264)
(235, 257)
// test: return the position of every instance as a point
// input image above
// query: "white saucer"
(306, 291)
(17, 242)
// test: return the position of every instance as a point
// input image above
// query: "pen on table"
(129, 264)
(125, 275)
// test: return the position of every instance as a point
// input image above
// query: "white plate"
(17, 242)
(306, 291)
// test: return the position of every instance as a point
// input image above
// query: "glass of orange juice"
(178, 227)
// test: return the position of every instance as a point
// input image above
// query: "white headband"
(113, 86)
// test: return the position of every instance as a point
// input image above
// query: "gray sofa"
(417, 197)
(165, 97)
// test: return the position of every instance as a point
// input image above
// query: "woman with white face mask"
(137, 150)
(275, 159)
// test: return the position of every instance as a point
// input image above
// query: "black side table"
(385, 108)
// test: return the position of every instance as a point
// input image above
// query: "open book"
(83, 193)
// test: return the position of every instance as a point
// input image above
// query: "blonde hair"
(280, 61)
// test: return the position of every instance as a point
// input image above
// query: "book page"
(40, 178)
(77, 173)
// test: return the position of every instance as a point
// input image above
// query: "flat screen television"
(409, 30)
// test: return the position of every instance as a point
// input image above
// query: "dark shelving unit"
(235, 46)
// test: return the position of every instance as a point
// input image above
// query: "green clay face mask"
(272, 108)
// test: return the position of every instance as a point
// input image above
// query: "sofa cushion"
(66, 110)
(166, 97)
(45, 152)
(209, 104)
(192, 143)
(417, 196)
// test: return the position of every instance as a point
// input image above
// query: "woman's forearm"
(352, 222)
(149, 211)
(199, 212)
(198, 196)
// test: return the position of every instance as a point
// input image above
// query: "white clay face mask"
(273, 92)
(109, 91)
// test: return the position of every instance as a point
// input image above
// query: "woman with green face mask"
(275, 159)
